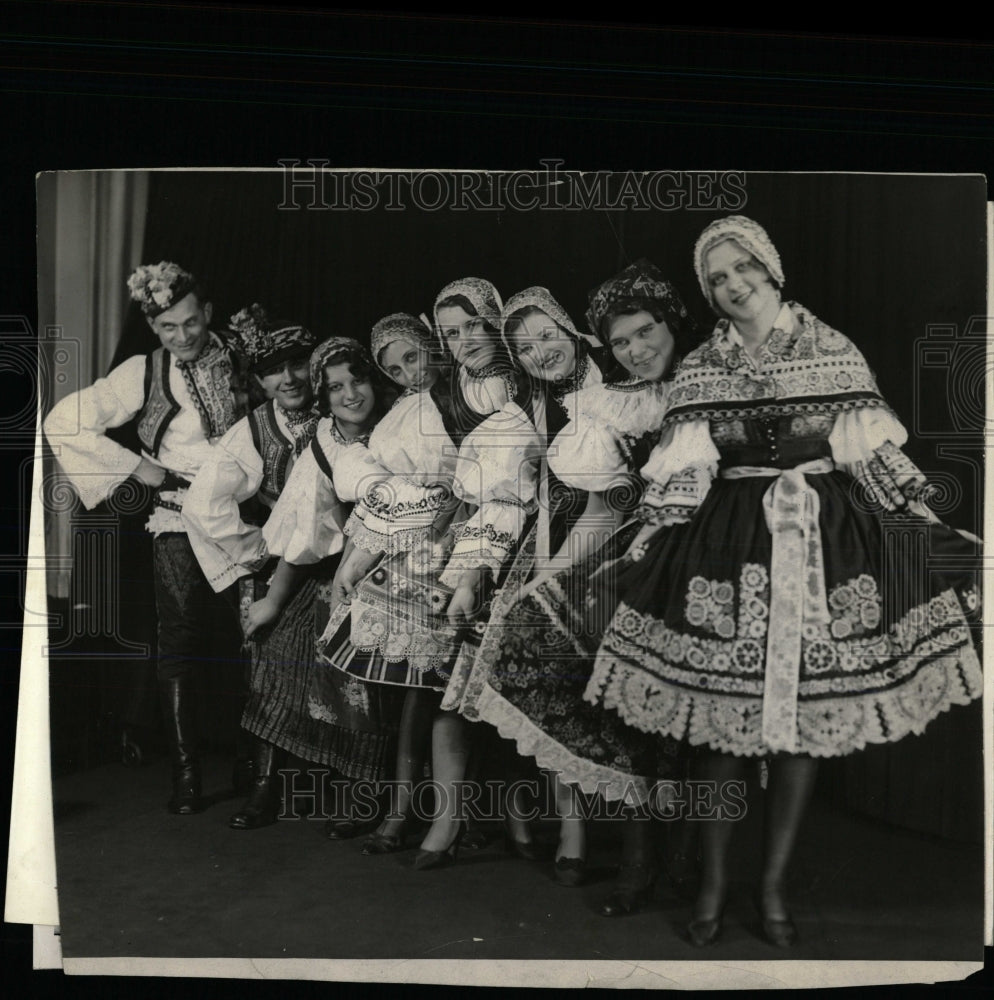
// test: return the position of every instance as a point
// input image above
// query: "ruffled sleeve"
(226, 547)
(306, 525)
(866, 443)
(406, 478)
(486, 393)
(76, 431)
(680, 471)
(589, 452)
(356, 471)
(498, 471)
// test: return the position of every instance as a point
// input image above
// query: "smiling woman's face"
(642, 344)
(741, 285)
(543, 348)
(471, 344)
(351, 398)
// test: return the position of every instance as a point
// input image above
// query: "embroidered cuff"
(395, 516)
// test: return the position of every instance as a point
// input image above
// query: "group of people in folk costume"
(491, 540)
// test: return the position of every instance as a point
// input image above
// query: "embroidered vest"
(160, 405)
(276, 451)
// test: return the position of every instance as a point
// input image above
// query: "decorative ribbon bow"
(797, 591)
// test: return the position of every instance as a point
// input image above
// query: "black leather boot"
(263, 804)
(243, 769)
(179, 712)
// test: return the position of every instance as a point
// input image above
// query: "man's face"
(183, 328)
(288, 382)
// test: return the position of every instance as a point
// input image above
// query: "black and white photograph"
(503, 566)
(496, 499)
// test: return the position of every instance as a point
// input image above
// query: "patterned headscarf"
(542, 299)
(641, 281)
(265, 343)
(327, 349)
(749, 235)
(481, 293)
(399, 326)
(158, 287)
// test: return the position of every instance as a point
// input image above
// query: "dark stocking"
(420, 707)
(788, 792)
(716, 836)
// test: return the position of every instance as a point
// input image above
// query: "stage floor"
(135, 881)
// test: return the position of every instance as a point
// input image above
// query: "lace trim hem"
(370, 540)
(826, 727)
(591, 778)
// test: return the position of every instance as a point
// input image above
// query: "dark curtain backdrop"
(880, 258)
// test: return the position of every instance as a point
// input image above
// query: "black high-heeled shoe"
(386, 843)
(701, 933)
(348, 829)
(632, 891)
(570, 873)
(429, 860)
(781, 932)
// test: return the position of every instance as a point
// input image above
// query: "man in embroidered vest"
(184, 398)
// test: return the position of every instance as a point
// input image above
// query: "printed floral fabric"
(534, 692)
(544, 644)
(640, 281)
(359, 721)
(808, 369)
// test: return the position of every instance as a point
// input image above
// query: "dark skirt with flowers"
(687, 652)
(336, 722)
(534, 694)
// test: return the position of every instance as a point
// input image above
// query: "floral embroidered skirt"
(395, 631)
(339, 722)
(482, 640)
(534, 691)
(820, 638)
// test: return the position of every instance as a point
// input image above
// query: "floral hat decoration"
(639, 282)
(265, 342)
(158, 287)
